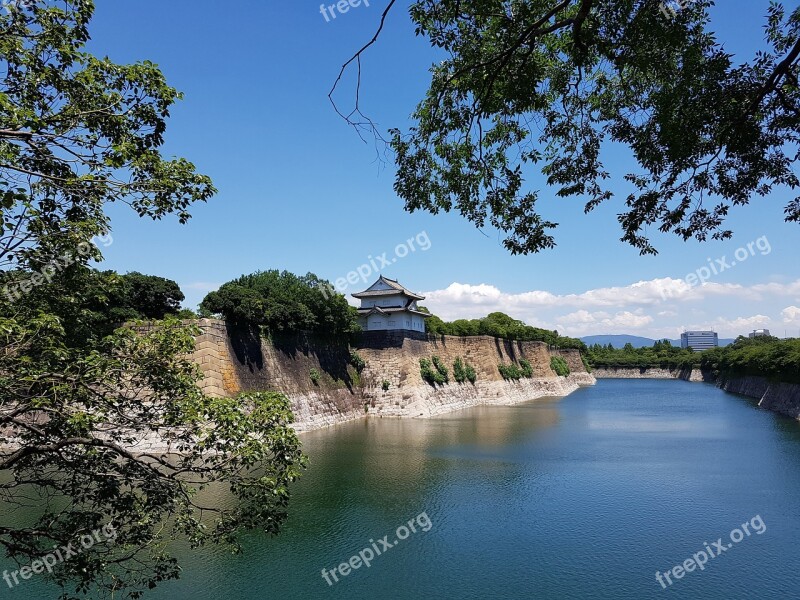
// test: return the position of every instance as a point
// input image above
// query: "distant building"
(699, 340)
(387, 305)
(759, 333)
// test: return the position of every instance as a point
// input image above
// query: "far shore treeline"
(770, 357)
(661, 355)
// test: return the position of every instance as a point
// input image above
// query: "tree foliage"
(770, 357)
(100, 426)
(106, 301)
(558, 86)
(147, 296)
(76, 133)
(281, 302)
(661, 355)
(459, 371)
(79, 427)
(500, 325)
(527, 368)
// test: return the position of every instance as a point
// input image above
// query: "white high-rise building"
(699, 340)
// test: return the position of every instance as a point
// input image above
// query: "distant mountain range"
(619, 341)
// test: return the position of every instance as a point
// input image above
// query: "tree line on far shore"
(770, 357)
(661, 355)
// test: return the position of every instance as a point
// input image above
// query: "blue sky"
(298, 190)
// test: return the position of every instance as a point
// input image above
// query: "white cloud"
(642, 293)
(583, 322)
(742, 323)
(657, 308)
(791, 315)
(581, 316)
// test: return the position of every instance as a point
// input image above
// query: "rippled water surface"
(583, 497)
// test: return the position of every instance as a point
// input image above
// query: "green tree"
(281, 302)
(77, 404)
(558, 86)
(151, 297)
(770, 357)
(501, 325)
(114, 299)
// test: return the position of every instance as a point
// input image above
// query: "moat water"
(582, 497)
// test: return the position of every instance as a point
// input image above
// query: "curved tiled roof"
(395, 287)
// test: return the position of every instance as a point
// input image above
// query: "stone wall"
(651, 373)
(233, 361)
(394, 357)
(783, 398)
(211, 348)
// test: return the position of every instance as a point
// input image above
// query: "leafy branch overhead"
(77, 132)
(559, 87)
(99, 425)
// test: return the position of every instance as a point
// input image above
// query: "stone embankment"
(233, 362)
(650, 373)
(783, 398)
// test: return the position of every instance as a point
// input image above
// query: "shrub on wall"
(463, 372)
(527, 369)
(440, 368)
(314, 374)
(356, 361)
(511, 371)
(385, 385)
(559, 365)
(459, 372)
(472, 376)
(427, 372)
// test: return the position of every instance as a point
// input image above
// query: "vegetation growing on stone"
(510, 371)
(472, 376)
(500, 325)
(527, 368)
(429, 373)
(463, 372)
(440, 368)
(459, 372)
(559, 366)
(356, 361)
